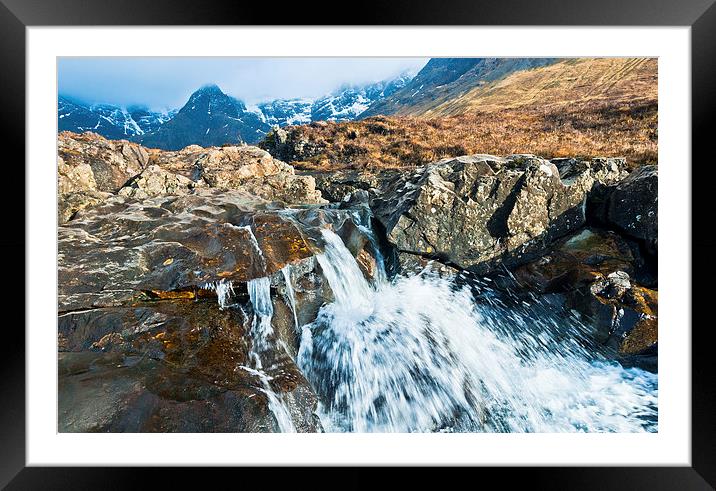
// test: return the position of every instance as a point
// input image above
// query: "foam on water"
(418, 354)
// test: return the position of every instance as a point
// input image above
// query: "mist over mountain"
(212, 118)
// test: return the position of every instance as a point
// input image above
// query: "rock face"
(633, 206)
(481, 211)
(92, 168)
(161, 320)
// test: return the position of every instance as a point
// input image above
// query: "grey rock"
(482, 212)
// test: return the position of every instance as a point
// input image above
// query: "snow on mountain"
(108, 120)
(211, 117)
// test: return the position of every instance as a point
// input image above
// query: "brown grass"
(580, 130)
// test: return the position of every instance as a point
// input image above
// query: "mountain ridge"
(442, 79)
(231, 122)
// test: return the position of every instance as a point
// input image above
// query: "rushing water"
(418, 354)
(286, 271)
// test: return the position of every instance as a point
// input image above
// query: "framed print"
(427, 239)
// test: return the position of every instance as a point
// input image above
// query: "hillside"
(610, 81)
(585, 107)
(444, 79)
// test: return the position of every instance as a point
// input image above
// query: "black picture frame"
(700, 15)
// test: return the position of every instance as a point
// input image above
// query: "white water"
(418, 354)
(286, 270)
(259, 290)
(260, 295)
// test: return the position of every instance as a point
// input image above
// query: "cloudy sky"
(165, 83)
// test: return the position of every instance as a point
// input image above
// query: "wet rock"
(89, 162)
(123, 246)
(481, 212)
(625, 313)
(576, 261)
(633, 206)
(171, 366)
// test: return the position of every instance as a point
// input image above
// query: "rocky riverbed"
(218, 289)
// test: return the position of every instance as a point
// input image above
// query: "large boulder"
(241, 167)
(481, 212)
(89, 162)
(169, 243)
(633, 206)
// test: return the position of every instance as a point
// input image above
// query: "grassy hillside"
(444, 79)
(584, 81)
(577, 107)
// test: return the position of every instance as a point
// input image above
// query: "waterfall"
(260, 296)
(259, 290)
(261, 329)
(418, 354)
(286, 271)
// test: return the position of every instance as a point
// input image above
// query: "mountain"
(570, 83)
(443, 79)
(209, 118)
(111, 121)
(212, 118)
(345, 104)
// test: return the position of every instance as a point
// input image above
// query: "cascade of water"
(286, 270)
(259, 290)
(418, 354)
(276, 405)
(260, 296)
(350, 288)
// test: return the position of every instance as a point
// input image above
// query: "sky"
(167, 82)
